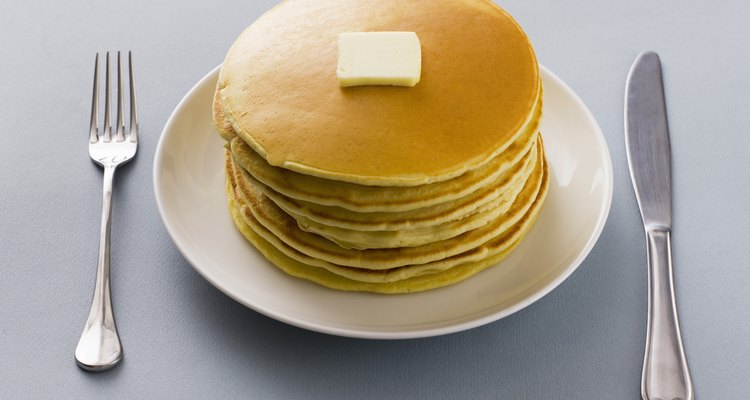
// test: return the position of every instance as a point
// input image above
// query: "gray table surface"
(185, 339)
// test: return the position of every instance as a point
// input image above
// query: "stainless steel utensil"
(665, 370)
(99, 347)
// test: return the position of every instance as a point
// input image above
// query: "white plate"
(189, 186)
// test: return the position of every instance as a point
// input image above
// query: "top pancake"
(479, 87)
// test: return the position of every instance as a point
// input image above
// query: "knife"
(665, 370)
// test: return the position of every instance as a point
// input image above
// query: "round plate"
(189, 186)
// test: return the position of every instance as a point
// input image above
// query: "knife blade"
(665, 369)
(647, 141)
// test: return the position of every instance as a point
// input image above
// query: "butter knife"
(665, 370)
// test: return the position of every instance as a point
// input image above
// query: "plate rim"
(465, 323)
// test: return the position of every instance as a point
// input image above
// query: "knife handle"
(665, 370)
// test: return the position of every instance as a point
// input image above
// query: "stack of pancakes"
(379, 188)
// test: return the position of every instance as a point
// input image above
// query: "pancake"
(380, 188)
(412, 278)
(285, 227)
(479, 91)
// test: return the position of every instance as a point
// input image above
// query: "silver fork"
(99, 347)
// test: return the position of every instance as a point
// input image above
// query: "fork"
(99, 347)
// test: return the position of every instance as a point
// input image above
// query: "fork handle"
(665, 370)
(99, 347)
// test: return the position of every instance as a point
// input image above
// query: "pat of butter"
(379, 58)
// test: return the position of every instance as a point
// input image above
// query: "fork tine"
(133, 106)
(107, 126)
(93, 137)
(120, 117)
